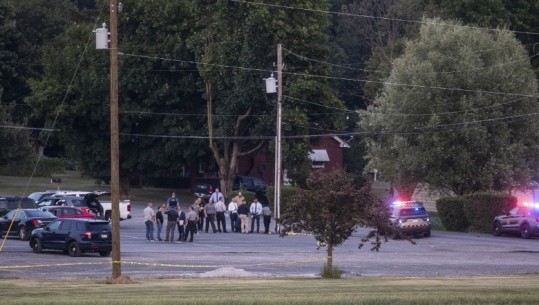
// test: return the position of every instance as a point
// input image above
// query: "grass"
(72, 180)
(367, 290)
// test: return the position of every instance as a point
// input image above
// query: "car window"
(514, 211)
(69, 212)
(11, 214)
(53, 212)
(98, 226)
(81, 226)
(38, 213)
(66, 225)
(412, 211)
(78, 202)
(54, 225)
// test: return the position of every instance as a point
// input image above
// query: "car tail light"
(37, 222)
(129, 207)
(88, 234)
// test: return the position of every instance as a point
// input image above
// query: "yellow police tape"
(308, 260)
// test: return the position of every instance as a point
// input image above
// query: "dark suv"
(10, 203)
(250, 184)
(74, 236)
(409, 218)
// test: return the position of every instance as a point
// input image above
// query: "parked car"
(250, 184)
(74, 236)
(24, 221)
(68, 212)
(522, 220)
(88, 201)
(38, 196)
(409, 218)
(204, 191)
(10, 203)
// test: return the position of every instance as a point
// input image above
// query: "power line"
(334, 77)
(27, 128)
(379, 17)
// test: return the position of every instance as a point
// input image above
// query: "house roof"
(342, 143)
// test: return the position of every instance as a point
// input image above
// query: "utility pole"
(114, 142)
(278, 157)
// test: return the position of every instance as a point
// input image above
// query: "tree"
(331, 207)
(235, 45)
(159, 94)
(456, 112)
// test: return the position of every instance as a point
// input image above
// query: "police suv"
(522, 220)
(409, 218)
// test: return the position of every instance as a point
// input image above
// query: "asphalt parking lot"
(260, 255)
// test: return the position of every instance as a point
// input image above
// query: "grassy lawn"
(72, 180)
(367, 290)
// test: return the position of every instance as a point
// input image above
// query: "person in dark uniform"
(172, 201)
(172, 221)
(159, 221)
(181, 223)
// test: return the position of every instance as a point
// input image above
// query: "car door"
(6, 221)
(63, 233)
(49, 234)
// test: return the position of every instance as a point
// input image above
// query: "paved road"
(233, 254)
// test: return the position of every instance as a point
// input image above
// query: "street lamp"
(271, 87)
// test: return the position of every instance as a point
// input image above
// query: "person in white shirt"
(216, 196)
(149, 220)
(220, 209)
(255, 210)
(233, 212)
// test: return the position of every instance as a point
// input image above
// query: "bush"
(451, 213)
(286, 193)
(481, 208)
(330, 273)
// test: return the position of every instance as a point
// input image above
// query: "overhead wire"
(379, 17)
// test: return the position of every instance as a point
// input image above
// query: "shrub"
(451, 213)
(45, 168)
(286, 193)
(481, 208)
(330, 273)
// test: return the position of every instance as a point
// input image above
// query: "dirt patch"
(122, 279)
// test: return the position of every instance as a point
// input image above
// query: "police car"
(522, 220)
(409, 218)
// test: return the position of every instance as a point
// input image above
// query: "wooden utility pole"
(278, 158)
(114, 142)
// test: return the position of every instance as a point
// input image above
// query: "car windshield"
(36, 196)
(413, 211)
(38, 213)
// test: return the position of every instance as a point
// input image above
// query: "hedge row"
(473, 212)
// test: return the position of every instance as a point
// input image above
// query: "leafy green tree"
(235, 44)
(156, 89)
(457, 111)
(331, 207)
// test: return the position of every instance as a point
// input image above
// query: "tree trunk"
(329, 262)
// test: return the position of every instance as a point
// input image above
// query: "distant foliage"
(286, 193)
(473, 212)
(481, 208)
(451, 213)
(330, 273)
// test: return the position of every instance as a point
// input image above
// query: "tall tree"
(457, 112)
(235, 45)
(158, 89)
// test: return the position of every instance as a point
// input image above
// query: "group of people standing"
(189, 223)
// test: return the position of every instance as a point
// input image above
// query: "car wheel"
(37, 246)
(525, 231)
(73, 249)
(395, 234)
(496, 229)
(427, 234)
(23, 235)
(104, 253)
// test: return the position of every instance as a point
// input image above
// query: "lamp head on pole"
(271, 84)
